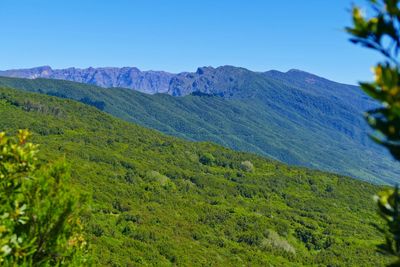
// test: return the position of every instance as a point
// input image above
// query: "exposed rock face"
(217, 81)
(226, 81)
(145, 81)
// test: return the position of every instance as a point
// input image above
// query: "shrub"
(250, 238)
(275, 241)
(207, 159)
(381, 32)
(247, 166)
(38, 223)
(160, 180)
(313, 240)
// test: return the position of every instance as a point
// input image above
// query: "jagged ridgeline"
(295, 117)
(159, 200)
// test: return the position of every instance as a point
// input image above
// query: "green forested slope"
(161, 201)
(317, 125)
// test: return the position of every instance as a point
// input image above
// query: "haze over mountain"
(295, 117)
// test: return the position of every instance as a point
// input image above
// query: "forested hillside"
(295, 117)
(161, 201)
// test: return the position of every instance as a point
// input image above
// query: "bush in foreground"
(38, 223)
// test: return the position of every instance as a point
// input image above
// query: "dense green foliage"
(388, 203)
(381, 32)
(316, 124)
(161, 201)
(38, 222)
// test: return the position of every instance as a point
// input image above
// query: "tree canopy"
(381, 32)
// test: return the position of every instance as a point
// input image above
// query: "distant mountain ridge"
(128, 77)
(223, 80)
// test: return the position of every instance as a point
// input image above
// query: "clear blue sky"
(176, 36)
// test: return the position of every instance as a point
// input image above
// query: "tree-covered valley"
(294, 117)
(203, 133)
(157, 200)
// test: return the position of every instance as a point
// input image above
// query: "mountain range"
(295, 117)
(224, 80)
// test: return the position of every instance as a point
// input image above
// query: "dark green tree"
(381, 32)
(38, 222)
(207, 159)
